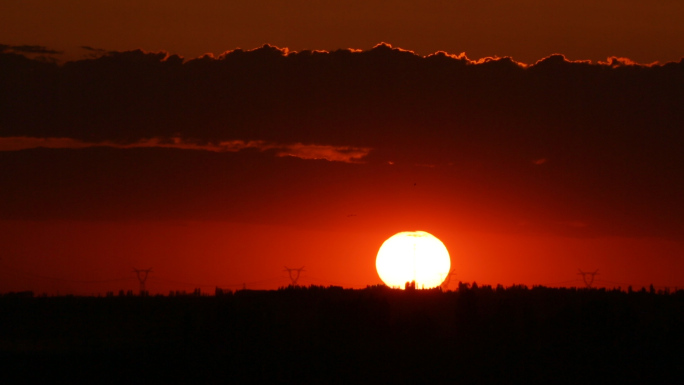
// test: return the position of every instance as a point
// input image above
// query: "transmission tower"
(445, 283)
(588, 281)
(142, 277)
(294, 274)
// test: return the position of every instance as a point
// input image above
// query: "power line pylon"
(294, 274)
(142, 277)
(445, 283)
(588, 281)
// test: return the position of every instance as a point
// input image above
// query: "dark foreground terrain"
(331, 335)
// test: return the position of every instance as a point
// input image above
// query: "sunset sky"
(218, 142)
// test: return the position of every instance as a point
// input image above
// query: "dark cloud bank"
(591, 148)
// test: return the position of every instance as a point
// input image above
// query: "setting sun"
(413, 256)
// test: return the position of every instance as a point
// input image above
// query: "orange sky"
(527, 30)
(223, 170)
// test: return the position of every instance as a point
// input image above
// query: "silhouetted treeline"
(335, 335)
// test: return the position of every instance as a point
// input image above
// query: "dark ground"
(331, 335)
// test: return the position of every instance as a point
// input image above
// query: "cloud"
(615, 62)
(93, 49)
(93, 52)
(23, 143)
(28, 49)
(346, 154)
(314, 96)
(610, 131)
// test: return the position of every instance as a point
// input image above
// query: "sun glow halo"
(413, 256)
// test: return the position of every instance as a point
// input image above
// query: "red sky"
(223, 170)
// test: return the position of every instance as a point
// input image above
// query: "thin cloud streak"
(28, 49)
(346, 154)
